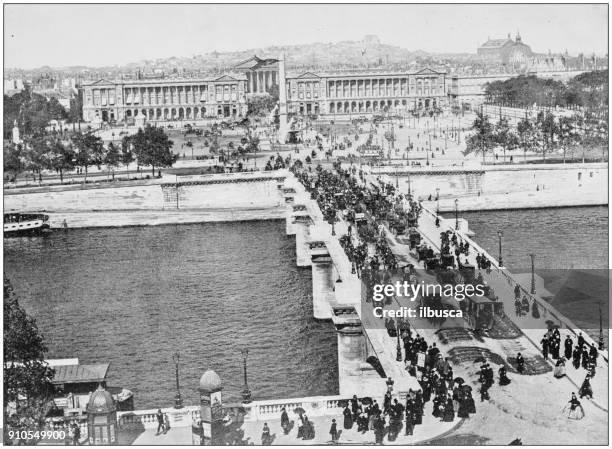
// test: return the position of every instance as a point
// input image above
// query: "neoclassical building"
(261, 74)
(165, 99)
(364, 93)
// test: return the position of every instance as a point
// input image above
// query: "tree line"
(588, 90)
(62, 152)
(542, 134)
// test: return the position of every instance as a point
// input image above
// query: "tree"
(505, 136)
(481, 141)
(568, 135)
(547, 129)
(60, 156)
(27, 377)
(89, 150)
(127, 155)
(526, 135)
(13, 159)
(112, 158)
(153, 147)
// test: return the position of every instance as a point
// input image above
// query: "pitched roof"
(72, 374)
(255, 62)
(496, 43)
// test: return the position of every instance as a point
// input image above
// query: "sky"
(102, 35)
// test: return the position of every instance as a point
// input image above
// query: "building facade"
(165, 99)
(505, 51)
(365, 93)
(261, 74)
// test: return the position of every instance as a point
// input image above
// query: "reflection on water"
(132, 296)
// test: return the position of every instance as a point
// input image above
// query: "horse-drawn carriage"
(414, 237)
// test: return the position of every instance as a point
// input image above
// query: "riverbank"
(541, 199)
(121, 218)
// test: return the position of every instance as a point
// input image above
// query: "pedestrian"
(285, 421)
(265, 435)
(520, 363)
(160, 421)
(76, 434)
(166, 423)
(333, 431)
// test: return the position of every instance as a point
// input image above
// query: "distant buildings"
(165, 99)
(505, 51)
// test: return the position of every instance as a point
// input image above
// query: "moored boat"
(16, 224)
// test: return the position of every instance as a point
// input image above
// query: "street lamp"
(246, 393)
(178, 401)
(533, 289)
(500, 234)
(456, 214)
(438, 200)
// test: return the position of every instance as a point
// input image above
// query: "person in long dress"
(348, 418)
(449, 411)
(285, 421)
(574, 408)
(560, 368)
(585, 389)
(503, 377)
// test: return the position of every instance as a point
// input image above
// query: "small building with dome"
(102, 418)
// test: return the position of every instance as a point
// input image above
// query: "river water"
(132, 296)
(571, 247)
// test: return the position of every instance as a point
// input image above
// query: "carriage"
(414, 237)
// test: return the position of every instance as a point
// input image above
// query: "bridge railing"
(551, 311)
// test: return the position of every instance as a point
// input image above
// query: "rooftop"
(72, 374)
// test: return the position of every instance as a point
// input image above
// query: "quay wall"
(216, 198)
(505, 179)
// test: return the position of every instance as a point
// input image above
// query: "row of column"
(261, 81)
(388, 87)
(348, 107)
(165, 95)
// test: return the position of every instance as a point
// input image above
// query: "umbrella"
(299, 411)
(366, 401)
(459, 380)
(480, 359)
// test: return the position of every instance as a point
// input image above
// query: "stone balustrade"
(147, 419)
(313, 406)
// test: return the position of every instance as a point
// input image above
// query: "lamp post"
(533, 289)
(399, 349)
(178, 400)
(438, 200)
(600, 344)
(456, 214)
(500, 235)
(246, 393)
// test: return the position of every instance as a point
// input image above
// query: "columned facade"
(165, 100)
(363, 94)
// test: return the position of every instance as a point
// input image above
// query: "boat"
(16, 225)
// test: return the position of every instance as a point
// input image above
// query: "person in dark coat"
(568, 347)
(333, 431)
(463, 411)
(580, 340)
(449, 411)
(387, 402)
(520, 363)
(585, 389)
(379, 430)
(437, 402)
(355, 407)
(545, 347)
(348, 418)
(503, 378)
(576, 357)
(409, 422)
(585, 358)
(471, 405)
(285, 421)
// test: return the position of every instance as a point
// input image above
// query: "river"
(132, 296)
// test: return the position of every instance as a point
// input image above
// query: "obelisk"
(283, 128)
